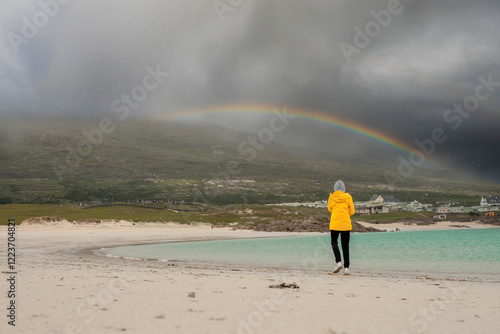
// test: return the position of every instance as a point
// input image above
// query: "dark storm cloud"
(427, 58)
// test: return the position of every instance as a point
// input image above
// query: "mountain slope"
(54, 160)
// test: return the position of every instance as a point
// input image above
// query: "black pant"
(344, 237)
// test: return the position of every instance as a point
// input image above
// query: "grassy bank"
(395, 216)
(223, 215)
(217, 215)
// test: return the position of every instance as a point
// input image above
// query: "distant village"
(387, 203)
(376, 204)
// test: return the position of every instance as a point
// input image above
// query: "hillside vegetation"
(43, 161)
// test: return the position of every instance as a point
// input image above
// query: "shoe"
(346, 271)
(337, 267)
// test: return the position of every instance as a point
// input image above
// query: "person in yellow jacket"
(342, 208)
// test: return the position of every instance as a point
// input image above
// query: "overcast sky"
(399, 75)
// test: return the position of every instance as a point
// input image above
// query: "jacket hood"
(340, 196)
(339, 185)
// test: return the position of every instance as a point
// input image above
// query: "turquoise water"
(454, 252)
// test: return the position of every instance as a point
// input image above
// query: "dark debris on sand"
(284, 286)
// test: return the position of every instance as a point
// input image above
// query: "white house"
(427, 207)
(413, 206)
(442, 209)
(445, 203)
(378, 199)
(490, 201)
(486, 208)
(371, 209)
(460, 209)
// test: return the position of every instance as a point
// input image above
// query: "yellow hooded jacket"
(342, 208)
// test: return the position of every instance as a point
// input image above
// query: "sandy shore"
(61, 288)
(441, 225)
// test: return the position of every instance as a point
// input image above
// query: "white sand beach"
(441, 225)
(63, 288)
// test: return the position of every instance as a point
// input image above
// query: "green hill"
(52, 161)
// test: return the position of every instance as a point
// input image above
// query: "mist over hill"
(55, 160)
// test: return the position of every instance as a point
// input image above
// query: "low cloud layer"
(395, 67)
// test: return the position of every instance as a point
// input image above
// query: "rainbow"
(311, 115)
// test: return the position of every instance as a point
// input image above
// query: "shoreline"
(63, 290)
(206, 264)
(438, 226)
(387, 226)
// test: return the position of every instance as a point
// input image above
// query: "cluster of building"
(387, 203)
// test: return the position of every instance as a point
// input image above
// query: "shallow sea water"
(474, 252)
